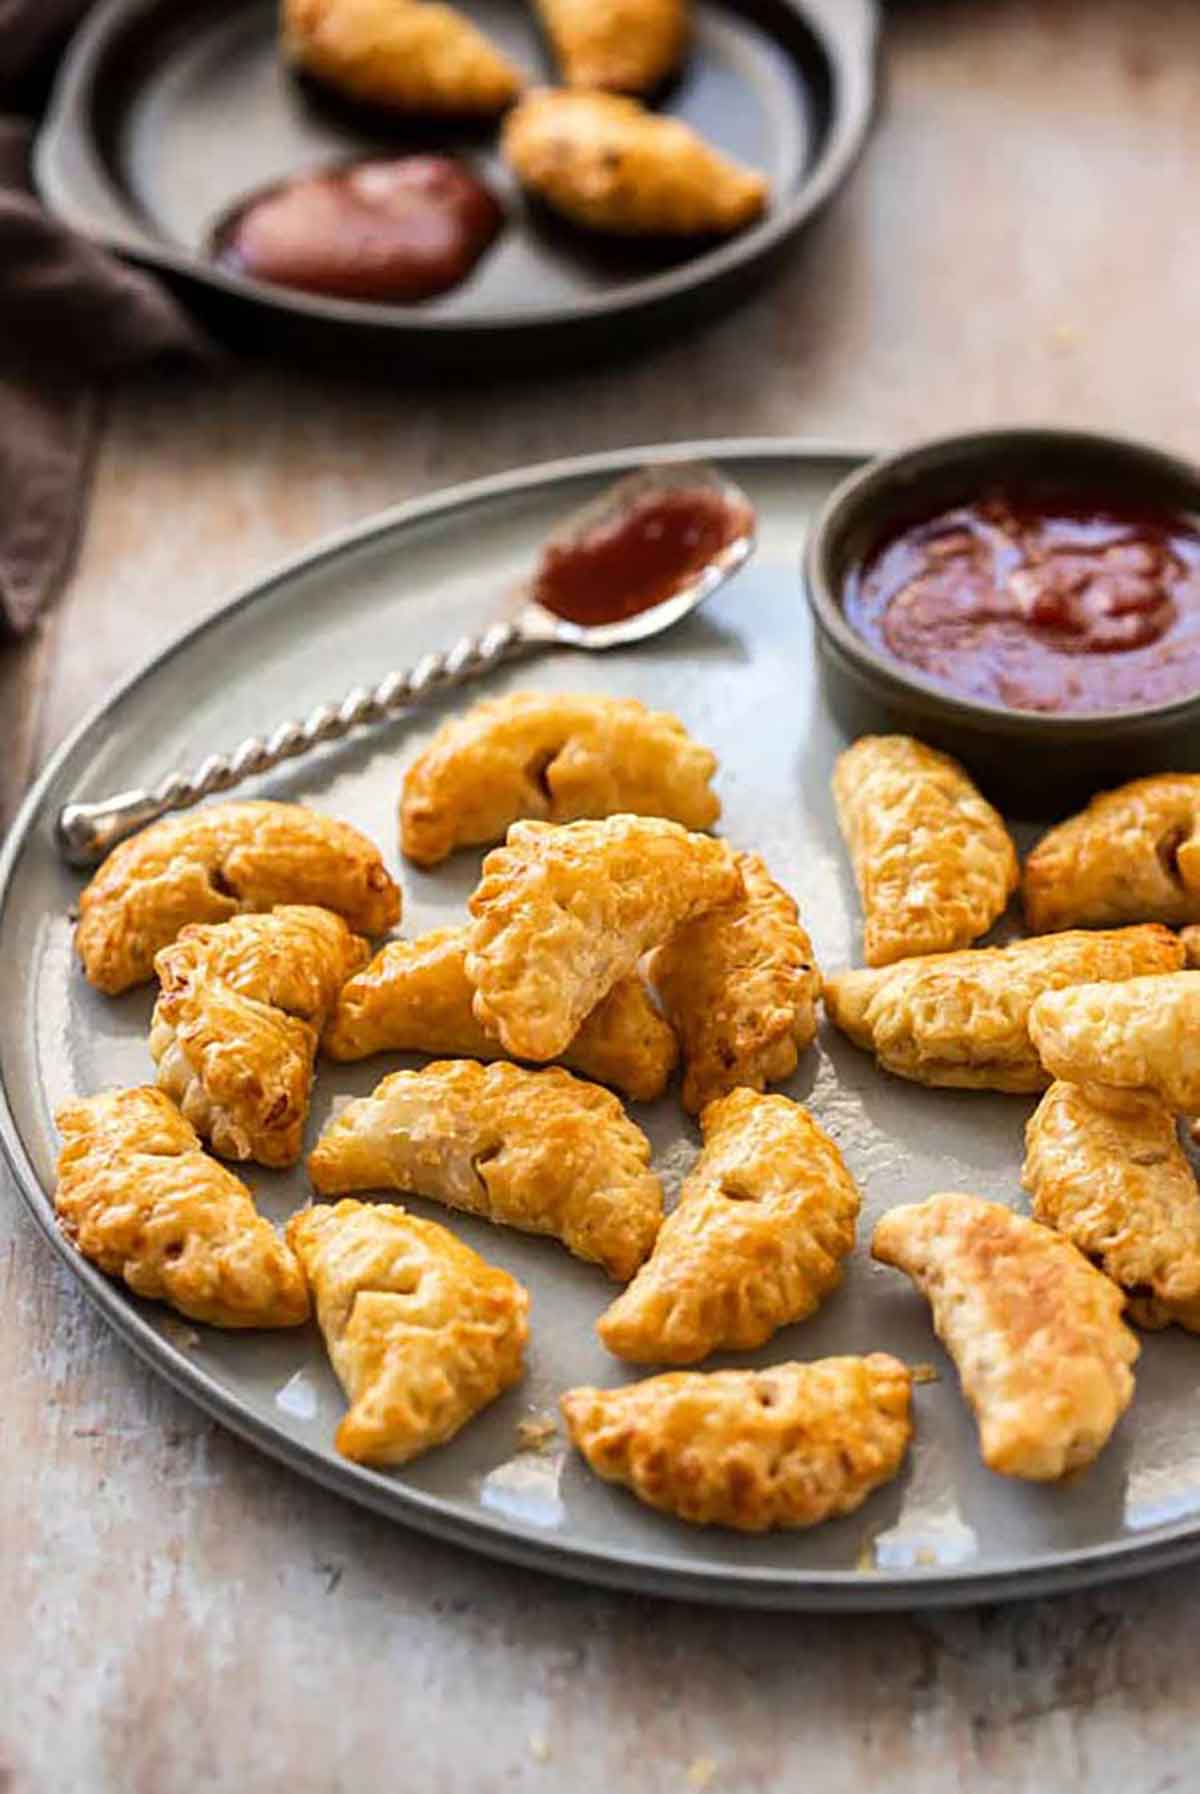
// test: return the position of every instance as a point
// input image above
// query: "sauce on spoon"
(638, 557)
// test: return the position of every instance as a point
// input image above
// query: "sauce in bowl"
(1039, 603)
(399, 229)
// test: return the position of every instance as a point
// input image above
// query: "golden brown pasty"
(415, 56)
(1142, 1035)
(628, 46)
(933, 860)
(1035, 1330)
(607, 164)
(138, 1196)
(220, 861)
(1132, 856)
(962, 1019)
(740, 985)
(538, 1150)
(415, 997)
(563, 914)
(1118, 1185)
(752, 1449)
(555, 757)
(421, 1331)
(235, 1029)
(765, 1218)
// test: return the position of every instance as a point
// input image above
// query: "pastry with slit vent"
(234, 1032)
(757, 1240)
(563, 914)
(538, 1150)
(750, 1449)
(138, 1196)
(220, 861)
(1132, 856)
(421, 1331)
(740, 985)
(551, 757)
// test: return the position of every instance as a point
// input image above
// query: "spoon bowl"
(604, 518)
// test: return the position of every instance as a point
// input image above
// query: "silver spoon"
(86, 832)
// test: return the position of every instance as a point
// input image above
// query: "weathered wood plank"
(23, 670)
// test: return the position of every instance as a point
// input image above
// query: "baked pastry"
(740, 986)
(538, 1150)
(220, 861)
(563, 914)
(406, 56)
(608, 165)
(933, 860)
(962, 1019)
(138, 1196)
(1118, 1185)
(1132, 856)
(765, 1218)
(555, 757)
(752, 1449)
(1142, 1035)
(1035, 1330)
(628, 46)
(421, 1331)
(235, 1029)
(415, 997)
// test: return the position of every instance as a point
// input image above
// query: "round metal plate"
(167, 112)
(741, 673)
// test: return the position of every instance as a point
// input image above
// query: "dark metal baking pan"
(167, 112)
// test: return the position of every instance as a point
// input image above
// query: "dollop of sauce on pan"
(638, 558)
(1040, 603)
(394, 230)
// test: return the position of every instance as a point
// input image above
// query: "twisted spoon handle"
(86, 832)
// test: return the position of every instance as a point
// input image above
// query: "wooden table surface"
(179, 1615)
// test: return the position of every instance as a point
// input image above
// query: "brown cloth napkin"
(71, 318)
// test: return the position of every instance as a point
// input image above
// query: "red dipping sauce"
(398, 230)
(1040, 603)
(638, 558)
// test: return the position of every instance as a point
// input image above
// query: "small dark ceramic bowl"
(1029, 763)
